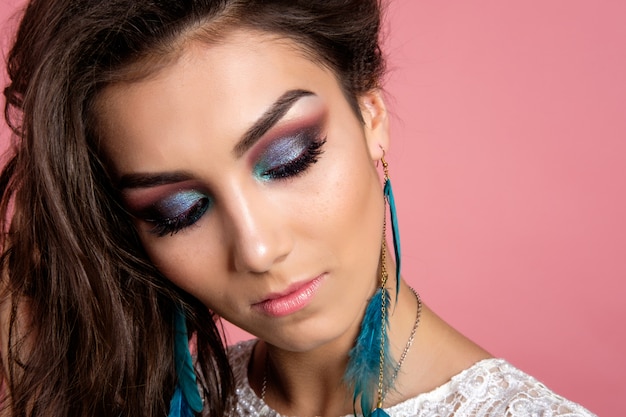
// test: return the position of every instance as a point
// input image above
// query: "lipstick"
(294, 299)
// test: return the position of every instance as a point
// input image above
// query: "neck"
(305, 383)
(311, 383)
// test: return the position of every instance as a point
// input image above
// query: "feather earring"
(371, 366)
(186, 398)
(395, 231)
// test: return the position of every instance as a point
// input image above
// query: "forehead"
(219, 89)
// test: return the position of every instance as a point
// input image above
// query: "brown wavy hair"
(90, 318)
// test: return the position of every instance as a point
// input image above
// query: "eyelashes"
(284, 158)
(298, 165)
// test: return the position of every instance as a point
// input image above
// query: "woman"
(234, 149)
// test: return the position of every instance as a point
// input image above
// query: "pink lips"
(292, 300)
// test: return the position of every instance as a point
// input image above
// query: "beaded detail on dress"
(490, 388)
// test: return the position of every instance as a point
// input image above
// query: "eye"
(291, 155)
(177, 212)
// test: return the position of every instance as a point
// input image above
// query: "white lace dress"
(490, 388)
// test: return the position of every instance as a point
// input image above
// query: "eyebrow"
(268, 119)
(151, 180)
(271, 116)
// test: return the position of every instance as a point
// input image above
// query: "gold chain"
(383, 308)
(409, 342)
(383, 294)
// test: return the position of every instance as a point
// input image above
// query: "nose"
(258, 231)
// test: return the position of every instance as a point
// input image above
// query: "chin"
(309, 338)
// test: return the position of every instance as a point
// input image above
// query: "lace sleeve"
(490, 388)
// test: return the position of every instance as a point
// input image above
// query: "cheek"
(356, 204)
(354, 210)
(188, 260)
(366, 221)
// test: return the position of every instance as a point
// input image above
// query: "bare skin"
(438, 353)
(281, 234)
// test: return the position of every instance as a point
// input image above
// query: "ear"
(376, 122)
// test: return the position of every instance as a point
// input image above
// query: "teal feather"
(379, 412)
(363, 366)
(395, 231)
(186, 396)
(179, 406)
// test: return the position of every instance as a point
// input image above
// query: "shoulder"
(490, 388)
(513, 392)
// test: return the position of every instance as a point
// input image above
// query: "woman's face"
(253, 185)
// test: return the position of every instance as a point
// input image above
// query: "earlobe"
(376, 122)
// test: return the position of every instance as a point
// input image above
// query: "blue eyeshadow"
(282, 152)
(178, 203)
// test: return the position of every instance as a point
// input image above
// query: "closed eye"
(177, 212)
(291, 155)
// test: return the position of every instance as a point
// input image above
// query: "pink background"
(508, 160)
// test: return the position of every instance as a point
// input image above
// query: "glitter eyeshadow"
(282, 152)
(177, 204)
